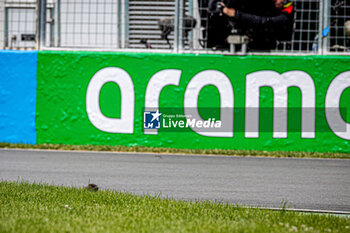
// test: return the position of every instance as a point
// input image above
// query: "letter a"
(111, 125)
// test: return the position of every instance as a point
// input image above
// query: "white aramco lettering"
(224, 86)
(279, 84)
(334, 118)
(155, 86)
(254, 81)
(111, 125)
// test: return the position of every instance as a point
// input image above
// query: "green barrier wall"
(63, 79)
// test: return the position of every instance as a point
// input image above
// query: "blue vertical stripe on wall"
(18, 96)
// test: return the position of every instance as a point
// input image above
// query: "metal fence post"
(124, 23)
(58, 23)
(40, 24)
(176, 26)
(2, 24)
(320, 28)
(119, 22)
(325, 23)
(52, 27)
(179, 26)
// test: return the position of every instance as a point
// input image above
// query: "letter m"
(280, 84)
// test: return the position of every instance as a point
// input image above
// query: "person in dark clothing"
(217, 26)
(267, 28)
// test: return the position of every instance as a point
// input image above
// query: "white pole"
(2, 24)
(326, 22)
(40, 24)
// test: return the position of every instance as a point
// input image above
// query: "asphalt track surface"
(308, 184)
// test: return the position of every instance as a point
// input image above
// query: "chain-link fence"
(316, 26)
(18, 24)
(337, 21)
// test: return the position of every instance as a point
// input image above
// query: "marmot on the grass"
(92, 187)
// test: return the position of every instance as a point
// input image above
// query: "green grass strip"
(32, 208)
(279, 154)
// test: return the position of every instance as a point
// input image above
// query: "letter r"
(155, 86)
